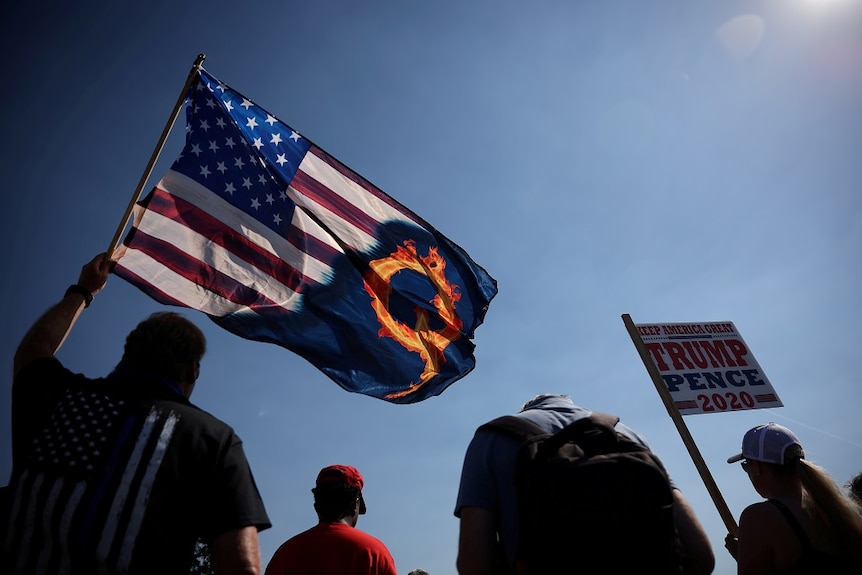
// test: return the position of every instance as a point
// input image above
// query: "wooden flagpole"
(156, 152)
(676, 416)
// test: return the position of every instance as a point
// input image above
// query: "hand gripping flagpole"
(675, 415)
(156, 152)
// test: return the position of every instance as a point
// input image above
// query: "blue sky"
(676, 161)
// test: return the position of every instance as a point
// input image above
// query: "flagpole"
(156, 152)
(675, 415)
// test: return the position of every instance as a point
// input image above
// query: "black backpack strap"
(605, 420)
(517, 427)
(595, 434)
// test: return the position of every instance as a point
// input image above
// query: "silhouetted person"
(854, 487)
(806, 524)
(334, 545)
(487, 502)
(122, 474)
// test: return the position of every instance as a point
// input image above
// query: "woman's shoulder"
(765, 521)
(763, 526)
(762, 513)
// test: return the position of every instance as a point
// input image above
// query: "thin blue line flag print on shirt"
(277, 241)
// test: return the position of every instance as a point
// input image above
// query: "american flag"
(276, 240)
(63, 521)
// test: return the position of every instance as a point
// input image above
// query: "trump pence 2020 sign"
(707, 367)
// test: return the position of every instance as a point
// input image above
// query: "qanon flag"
(277, 241)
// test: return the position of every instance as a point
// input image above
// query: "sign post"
(702, 368)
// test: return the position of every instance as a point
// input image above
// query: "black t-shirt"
(118, 474)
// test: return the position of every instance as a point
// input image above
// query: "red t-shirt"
(329, 548)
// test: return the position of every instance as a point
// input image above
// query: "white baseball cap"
(767, 443)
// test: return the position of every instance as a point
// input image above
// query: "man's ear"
(354, 517)
(191, 371)
(190, 375)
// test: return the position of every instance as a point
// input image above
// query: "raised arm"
(45, 337)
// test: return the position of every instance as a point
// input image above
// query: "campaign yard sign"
(707, 367)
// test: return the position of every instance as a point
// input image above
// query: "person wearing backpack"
(591, 499)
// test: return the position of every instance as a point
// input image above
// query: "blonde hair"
(836, 510)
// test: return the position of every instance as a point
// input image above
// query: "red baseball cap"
(343, 474)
